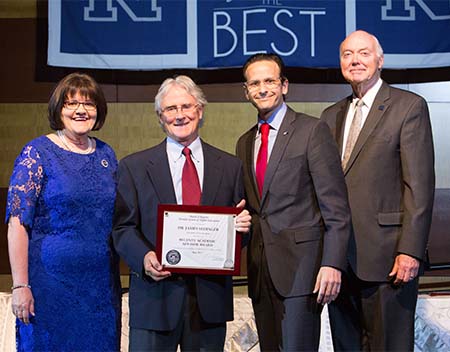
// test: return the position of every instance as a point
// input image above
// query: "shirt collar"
(369, 97)
(276, 118)
(175, 149)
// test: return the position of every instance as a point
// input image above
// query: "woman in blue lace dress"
(66, 291)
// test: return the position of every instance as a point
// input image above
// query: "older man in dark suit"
(386, 143)
(170, 310)
(301, 221)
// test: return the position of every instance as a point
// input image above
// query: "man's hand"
(153, 267)
(405, 269)
(328, 284)
(243, 220)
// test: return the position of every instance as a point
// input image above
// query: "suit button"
(263, 216)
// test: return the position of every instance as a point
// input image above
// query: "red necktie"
(261, 161)
(191, 191)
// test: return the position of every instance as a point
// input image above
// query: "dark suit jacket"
(144, 182)
(390, 180)
(303, 217)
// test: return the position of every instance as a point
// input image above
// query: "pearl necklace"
(62, 137)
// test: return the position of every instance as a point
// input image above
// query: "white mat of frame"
(432, 326)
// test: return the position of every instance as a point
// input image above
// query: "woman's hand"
(22, 297)
(23, 303)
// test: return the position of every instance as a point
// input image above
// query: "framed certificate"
(198, 239)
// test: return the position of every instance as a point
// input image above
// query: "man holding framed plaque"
(297, 197)
(168, 309)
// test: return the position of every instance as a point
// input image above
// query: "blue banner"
(161, 34)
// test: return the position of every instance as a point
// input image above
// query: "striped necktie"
(353, 133)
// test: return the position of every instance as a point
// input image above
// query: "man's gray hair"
(184, 82)
(378, 48)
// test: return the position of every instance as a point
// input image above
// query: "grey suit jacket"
(390, 180)
(302, 220)
(144, 182)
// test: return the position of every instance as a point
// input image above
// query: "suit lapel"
(283, 137)
(379, 107)
(252, 191)
(213, 173)
(340, 123)
(159, 172)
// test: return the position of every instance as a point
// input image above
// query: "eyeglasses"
(172, 110)
(269, 83)
(74, 105)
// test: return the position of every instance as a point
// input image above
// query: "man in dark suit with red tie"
(297, 197)
(168, 310)
(385, 138)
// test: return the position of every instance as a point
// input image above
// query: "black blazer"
(144, 182)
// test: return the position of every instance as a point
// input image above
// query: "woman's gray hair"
(184, 82)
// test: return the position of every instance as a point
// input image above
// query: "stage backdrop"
(158, 34)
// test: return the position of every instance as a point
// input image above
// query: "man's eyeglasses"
(269, 83)
(172, 110)
(74, 105)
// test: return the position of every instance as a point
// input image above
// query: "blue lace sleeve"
(25, 186)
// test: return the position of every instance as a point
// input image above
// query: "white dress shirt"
(176, 163)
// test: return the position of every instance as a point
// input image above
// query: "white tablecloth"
(432, 326)
(7, 324)
(241, 332)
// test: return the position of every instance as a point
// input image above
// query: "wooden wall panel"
(4, 260)
(18, 9)
(129, 127)
(19, 123)
(439, 241)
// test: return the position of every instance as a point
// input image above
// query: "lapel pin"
(285, 133)
(381, 107)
